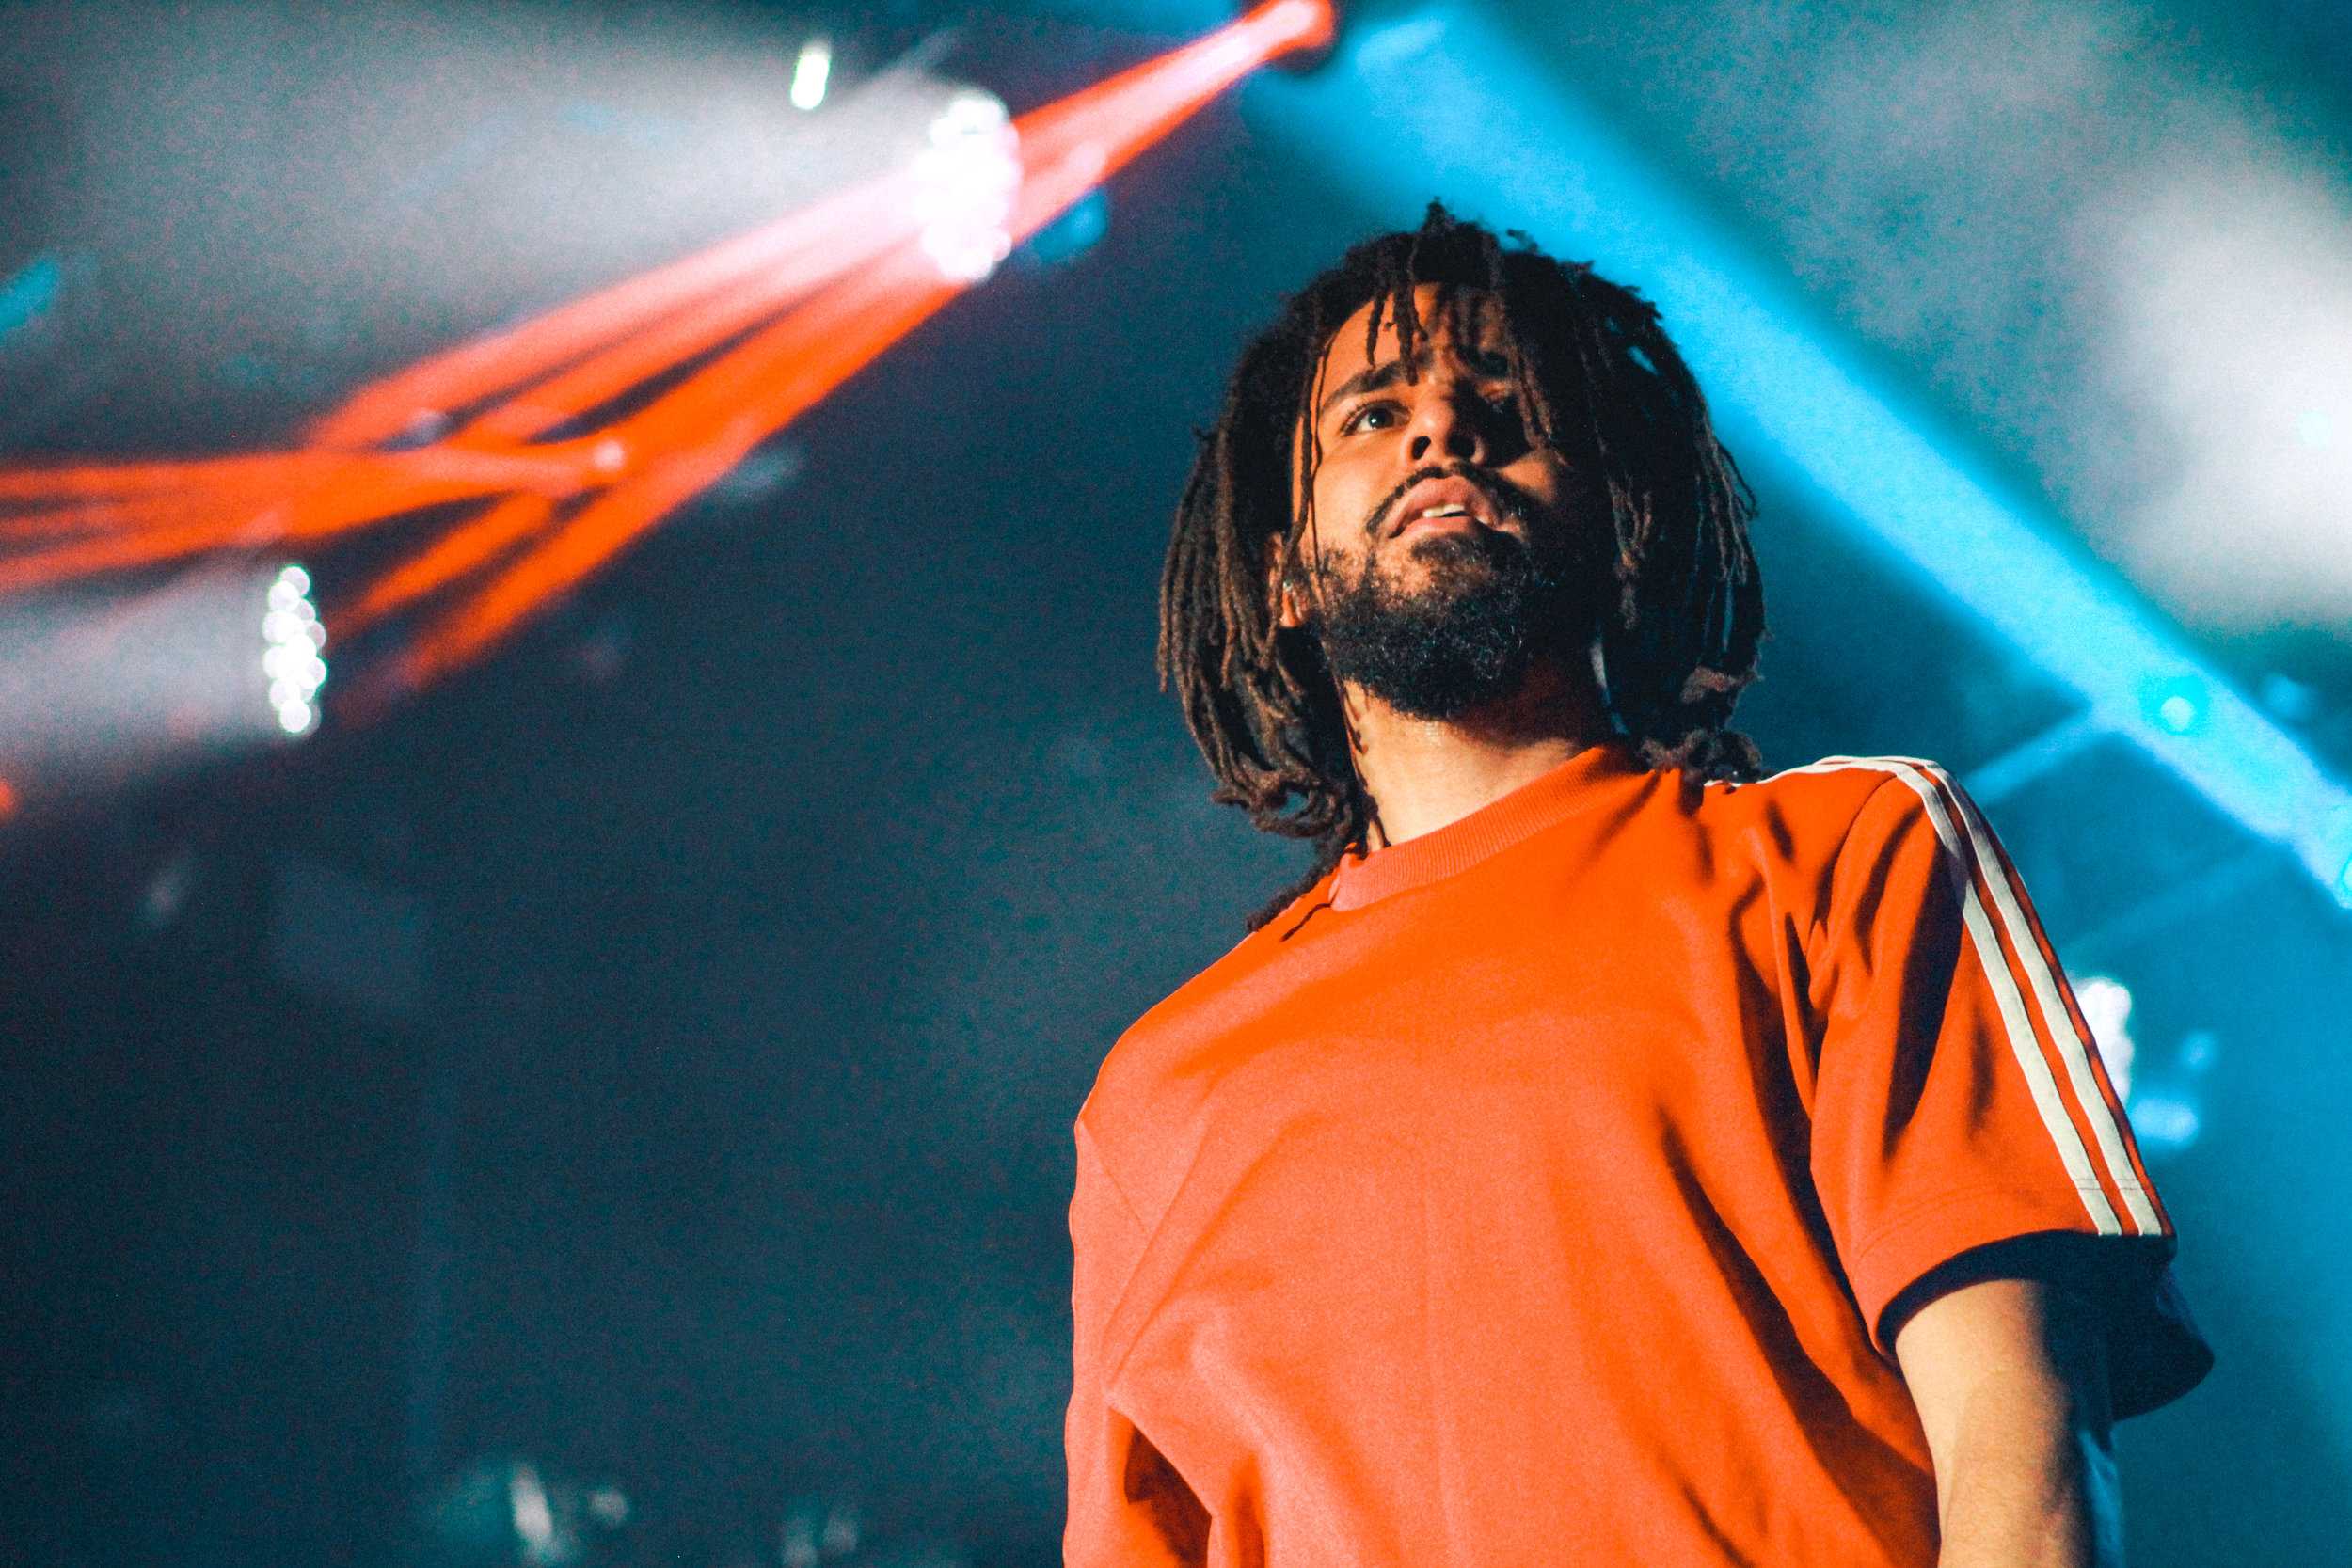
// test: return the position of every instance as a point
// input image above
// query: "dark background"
(650, 1055)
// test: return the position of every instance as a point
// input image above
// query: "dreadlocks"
(1602, 387)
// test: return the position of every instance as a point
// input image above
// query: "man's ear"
(1285, 589)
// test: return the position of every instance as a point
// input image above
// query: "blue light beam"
(1445, 103)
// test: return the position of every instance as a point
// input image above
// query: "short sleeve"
(1128, 1507)
(1959, 1101)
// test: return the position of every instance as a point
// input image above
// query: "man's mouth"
(1431, 523)
(1451, 504)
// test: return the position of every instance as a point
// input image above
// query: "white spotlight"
(966, 177)
(811, 72)
(102, 686)
(293, 638)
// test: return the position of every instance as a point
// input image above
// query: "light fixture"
(966, 177)
(294, 638)
(811, 72)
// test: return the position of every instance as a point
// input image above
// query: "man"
(1606, 1155)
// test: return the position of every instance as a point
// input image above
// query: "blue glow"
(2164, 1124)
(1386, 48)
(1075, 232)
(2197, 1052)
(2176, 707)
(1464, 108)
(2342, 889)
(29, 295)
(2313, 428)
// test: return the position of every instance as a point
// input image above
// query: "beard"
(1488, 610)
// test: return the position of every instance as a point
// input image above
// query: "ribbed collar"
(1489, 830)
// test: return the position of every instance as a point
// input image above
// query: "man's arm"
(2009, 1376)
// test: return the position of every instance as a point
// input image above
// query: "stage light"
(2344, 885)
(811, 72)
(534, 1521)
(966, 179)
(101, 684)
(1321, 25)
(2176, 706)
(509, 441)
(295, 637)
(511, 1511)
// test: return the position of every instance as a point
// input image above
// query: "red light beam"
(503, 361)
(813, 298)
(1067, 148)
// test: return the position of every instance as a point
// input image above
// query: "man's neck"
(1424, 773)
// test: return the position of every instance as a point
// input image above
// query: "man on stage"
(1607, 1155)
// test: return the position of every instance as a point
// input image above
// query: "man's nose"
(1450, 422)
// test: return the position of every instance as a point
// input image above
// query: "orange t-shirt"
(1532, 1191)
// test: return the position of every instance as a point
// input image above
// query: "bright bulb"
(810, 74)
(966, 180)
(2177, 705)
(290, 661)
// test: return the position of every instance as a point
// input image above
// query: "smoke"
(275, 201)
(2093, 229)
(2229, 294)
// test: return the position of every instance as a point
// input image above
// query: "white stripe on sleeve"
(2040, 1084)
(2055, 1020)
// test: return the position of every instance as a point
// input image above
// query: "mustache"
(1510, 503)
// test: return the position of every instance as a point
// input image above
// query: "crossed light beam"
(534, 454)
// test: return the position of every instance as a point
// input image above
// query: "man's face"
(1439, 614)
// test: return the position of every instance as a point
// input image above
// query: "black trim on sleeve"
(2154, 1351)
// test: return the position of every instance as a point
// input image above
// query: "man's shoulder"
(1820, 800)
(1798, 825)
(1218, 1003)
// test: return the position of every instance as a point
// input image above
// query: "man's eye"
(1502, 405)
